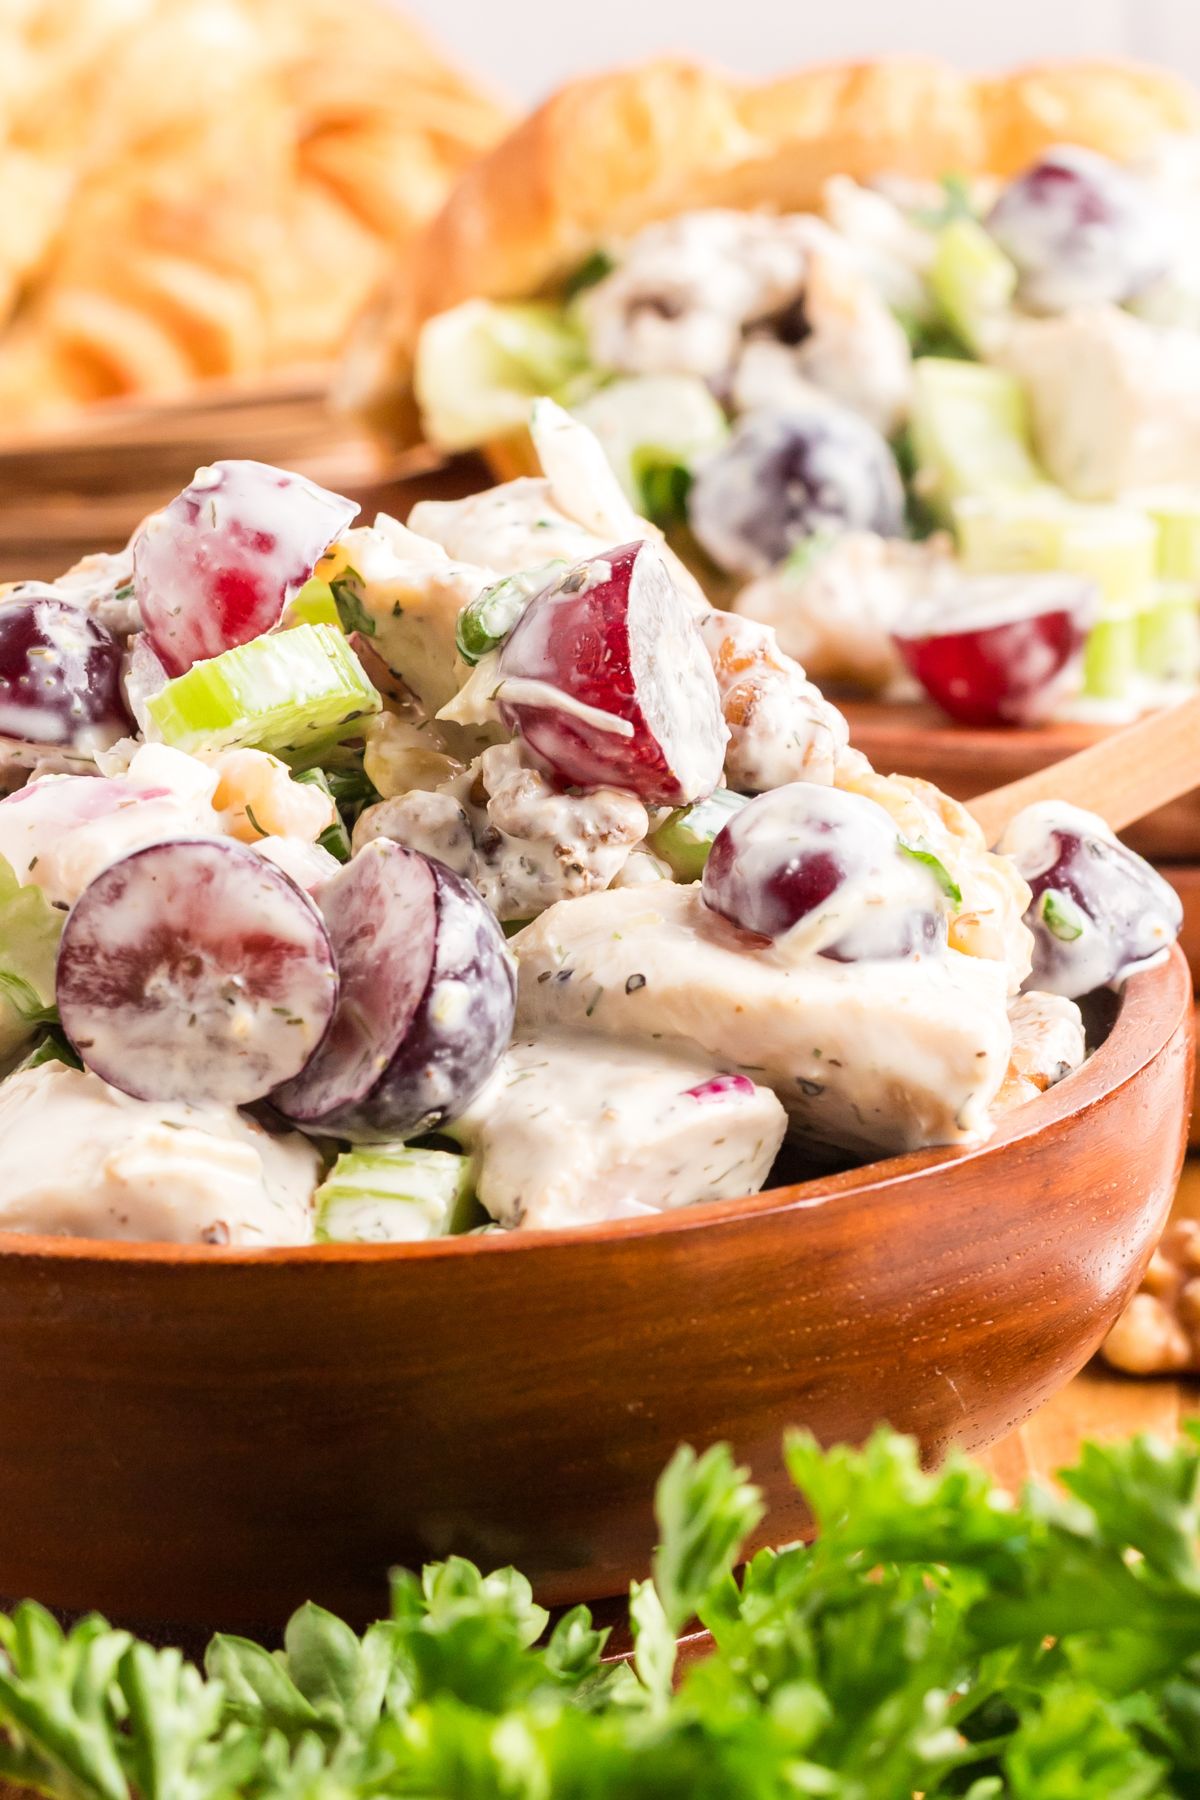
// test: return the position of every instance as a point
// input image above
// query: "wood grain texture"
(196, 1437)
(1124, 776)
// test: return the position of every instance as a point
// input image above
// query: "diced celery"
(1010, 534)
(685, 837)
(395, 1194)
(479, 365)
(1169, 634)
(1177, 516)
(653, 429)
(971, 279)
(1110, 658)
(313, 605)
(970, 432)
(1112, 546)
(288, 691)
(29, 932)
(485, 622)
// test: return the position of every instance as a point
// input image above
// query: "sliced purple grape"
(1099, 911)
(784, 476)
(195, 970)
(607, 679)
(60, 674)
(810, 853)
(218, 565)
(1081, 230)
(426, 1003)
(1000, 649)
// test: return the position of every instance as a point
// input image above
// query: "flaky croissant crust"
(198, 188)
(609, 154)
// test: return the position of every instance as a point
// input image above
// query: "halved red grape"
(806, 853)
(784, 476)
(218, 565)
(1000, 649)
(195, 970)
(1099, 911)
(426, 1003)
(608, 681)
(60, 674)
(1082, 231)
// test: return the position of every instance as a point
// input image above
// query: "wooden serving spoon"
(1122, 778)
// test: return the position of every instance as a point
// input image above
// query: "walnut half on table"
(1159, 1331)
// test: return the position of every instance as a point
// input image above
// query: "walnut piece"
(1159, 1331)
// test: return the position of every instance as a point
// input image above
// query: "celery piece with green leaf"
(289, 691)
(686, 836)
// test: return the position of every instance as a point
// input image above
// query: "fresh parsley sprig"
(937, 1639)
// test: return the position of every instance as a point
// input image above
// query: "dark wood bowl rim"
(1153, 1006)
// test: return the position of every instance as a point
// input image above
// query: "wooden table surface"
(1099, 1403)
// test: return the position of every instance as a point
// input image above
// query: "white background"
(528, 46)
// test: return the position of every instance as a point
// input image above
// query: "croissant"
(198, 188)
(609, 154)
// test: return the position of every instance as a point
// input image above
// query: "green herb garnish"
(347, 594)
(590, 271)
(484, 624)
(663, 485)
(937, 1639)
(921, 853)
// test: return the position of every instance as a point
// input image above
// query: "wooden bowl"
(196, 1437)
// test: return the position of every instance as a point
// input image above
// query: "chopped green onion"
(686, 836)
(289, 691)
(352, 614)
(335, 838)
(487, 620)
(921, 853)
(52, 1047)
(395, 1194)
(663, 486)
(590, 271)
(1060, 915)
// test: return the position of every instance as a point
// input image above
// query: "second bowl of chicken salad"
(907, 363)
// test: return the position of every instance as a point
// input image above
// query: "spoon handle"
(1123, 777)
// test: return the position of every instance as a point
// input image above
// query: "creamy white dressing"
(836, 606)
(706, 292)
(573, 1130)
(410, 593)
(1115, 402)
(869, 1057)
(520, 691)
(82, 1160)
(502, 825)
